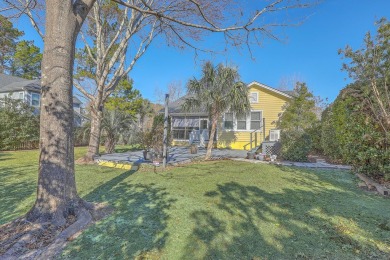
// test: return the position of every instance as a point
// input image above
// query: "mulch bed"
(39, 235)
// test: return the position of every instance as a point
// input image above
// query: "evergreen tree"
(8, 38)
(299, 113)
(297, 119)
(26, 60)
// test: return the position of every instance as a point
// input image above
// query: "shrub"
(350, 136)
(298, 123)
(296, 145)
(157, 133)
(19, 124)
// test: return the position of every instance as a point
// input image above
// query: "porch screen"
(178, 122)
(193, 122)
(182, 126)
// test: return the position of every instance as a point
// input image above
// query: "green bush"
(315, 133)
(19, 124)
(298, 124)
(330, 138)
(350, 136)
(296, 145)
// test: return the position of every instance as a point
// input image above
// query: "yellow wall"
(271, 103)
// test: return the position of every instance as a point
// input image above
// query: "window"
(203, 124)
(254, 97)
(274, 135)
(35, 99)
(228, 121)
(256, 118)
(21, 95)
(241, 122)
(182, 126)
(76, 105)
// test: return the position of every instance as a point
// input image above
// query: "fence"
(31, 145)
(28, 145)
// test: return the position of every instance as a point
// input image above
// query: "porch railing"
(254, 137)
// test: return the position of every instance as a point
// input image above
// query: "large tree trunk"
(214, 122)
(56, 193)
(94, 138)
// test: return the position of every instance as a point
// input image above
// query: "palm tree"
(219, 90)
(114, 124)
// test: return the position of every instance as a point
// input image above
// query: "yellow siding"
(271, 103)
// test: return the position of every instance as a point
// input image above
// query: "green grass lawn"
(214, 210)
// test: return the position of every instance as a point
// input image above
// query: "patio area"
(176, 155)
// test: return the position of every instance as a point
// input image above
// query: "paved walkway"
(180, 155)
(316, 165)
(176, 155)
(324, 165)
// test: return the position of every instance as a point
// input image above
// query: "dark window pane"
(228, 116)
(255, 125)
(241, 117)
(35, 99)
(241, 125)
(228, 125)
(203, 124)
(255, 115)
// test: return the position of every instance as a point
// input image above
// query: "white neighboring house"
(30, 92)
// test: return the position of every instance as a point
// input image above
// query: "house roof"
(286, 93)
(13, 84)
(7, 79)
(176, 106)
(22, 85)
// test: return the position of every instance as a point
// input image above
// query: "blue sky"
(310, 52)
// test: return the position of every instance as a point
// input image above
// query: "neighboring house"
(234, 131)
(30, 92)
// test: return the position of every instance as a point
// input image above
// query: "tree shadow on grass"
(16, 191)
(324, 222)
(137, 227)
(4, 156)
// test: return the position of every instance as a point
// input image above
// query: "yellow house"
(244, 132)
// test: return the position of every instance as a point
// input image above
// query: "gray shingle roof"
(7, 79)
(288, 92)
(21, 85)
(176, 108)
(13, 84)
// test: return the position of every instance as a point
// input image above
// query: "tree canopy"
(8, 41)
(296, 123)
(27, 60)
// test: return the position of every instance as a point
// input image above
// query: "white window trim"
(235, 123)
(257, 97)
(261, 120)
(21, 93)
(223, 122)
(248, 122)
